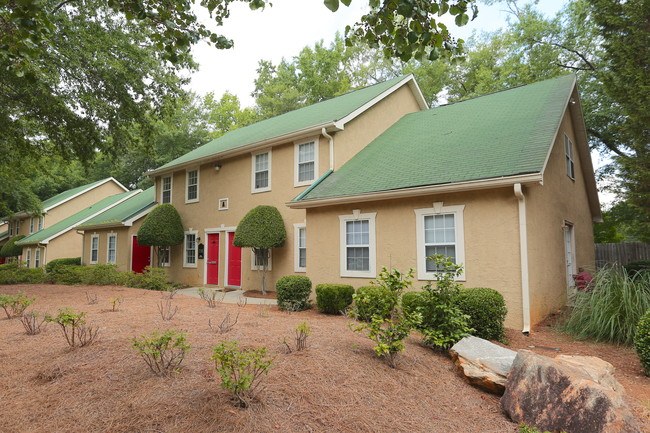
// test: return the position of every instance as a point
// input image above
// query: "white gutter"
(331, 140)
(523, 253)
(417, 191)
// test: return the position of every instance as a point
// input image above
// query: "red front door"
(213, 259)
(140, 256)
(234, 262)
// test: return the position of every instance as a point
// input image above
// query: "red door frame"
(233, 263)
(212, 259)
(137, 265)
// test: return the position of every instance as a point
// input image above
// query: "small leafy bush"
(15, 305)
(101, 275)
(75, 261)
(292, 292)
(333, 298)
(162, 352)
(612, 310)
(65, 274)
(637, 266)
(241, 370)
(20, 275)
(370, 301)
(301, 332)
(211, 297)
(523, 428)
(75, 330)
(486, 309)
(642, 342)
(9, 266)
(151, 279)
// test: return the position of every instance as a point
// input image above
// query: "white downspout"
(331, 139)
(523, 247)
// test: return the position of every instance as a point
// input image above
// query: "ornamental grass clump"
(612, 310)
(162, 352)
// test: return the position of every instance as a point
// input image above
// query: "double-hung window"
(261, 172)
(166, 190)
(40, 223)
(164, 256)
(439, 231)
(568, 157)
(189, 255)
(306, 163)
(111, 252)
(300, 247)
(94, 249)
(31, 225)
(358, 247)
(28, 258)
(192, 192)
(37, 258)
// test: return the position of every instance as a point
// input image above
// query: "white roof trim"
(56, 235)
(85, 191)
(418, 191)
(130, 221)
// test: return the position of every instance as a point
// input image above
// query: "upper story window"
(166, 190)
(40, 223)
(111, 252)
(306, 163)
(261, 172)
(439, 230)
(31, 225)
(14, 228)
(189, 253)
(94, 249)
(358, 246)
(192, 191)
(568, 157)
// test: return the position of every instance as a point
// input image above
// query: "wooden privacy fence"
(623, 253)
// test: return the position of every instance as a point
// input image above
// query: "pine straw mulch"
(337, 385)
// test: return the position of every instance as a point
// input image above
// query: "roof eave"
(418, 191)
(85, 191)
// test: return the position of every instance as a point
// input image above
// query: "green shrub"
(151, 279)
(161, 228)
(414, 302)
(333, 298)
(9, 266)
(241, 370)
(637, 266)
(292, 292)
(486, 309)
(642, 342)
(162, 352)
(65, 274)
(15, 305)
(523, 428)
(10, 249)
(74, 328)
(612, 310)
(372, 301)
(21, 275)
(62, 262)
(101, 275)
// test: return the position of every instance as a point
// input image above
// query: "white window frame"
(568, 158)
(253, 171)
(187, 185)
(37, 257)
(162, 188)
(40, 223)
(224, 202)
(372, 244)
(296, 247)
(196, 249)
(16, 227)
(439, 209)
(96, 249)
(108, 247)
(28, 258)
(256, 267)
(168, 263)
(11, 228)
(296, 163)
(31, 225)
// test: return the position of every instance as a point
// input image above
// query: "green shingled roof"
(501, 134)
(73, 220)
(317, 114)
(125, 210)
(4, 235)
(53, 201)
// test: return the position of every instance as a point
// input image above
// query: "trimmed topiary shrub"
(333, 298)
(637, 266)
(486, 309)
(372, 301)
(62, 262)
(292, 292)
(642, 342)
(10, 249)
(161, 228)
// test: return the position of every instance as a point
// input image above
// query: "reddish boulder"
(573, 394)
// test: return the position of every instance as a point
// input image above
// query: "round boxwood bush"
(642, 342)
(333, 298)
(292, 292)
(486, 309)
(414, 302)
(372, 301)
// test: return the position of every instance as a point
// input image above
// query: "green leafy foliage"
(75, 330)
(151, 279)
(301, 332)
(262, 228)
(241, 370)
(62, 262)
(163, 352)
(20, 275)
(161, 228)
(101, 275)
(612, 309)
(486, 309)
(292, 292)
(637, 266)
(15, 305)
(10, 249)
(523, 428)
(642, 341)
(370, 301)
(333, 298)
(65, 274)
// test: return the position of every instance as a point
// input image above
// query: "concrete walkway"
(229, 297)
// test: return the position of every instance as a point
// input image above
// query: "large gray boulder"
(482, 363)
(573, 394)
